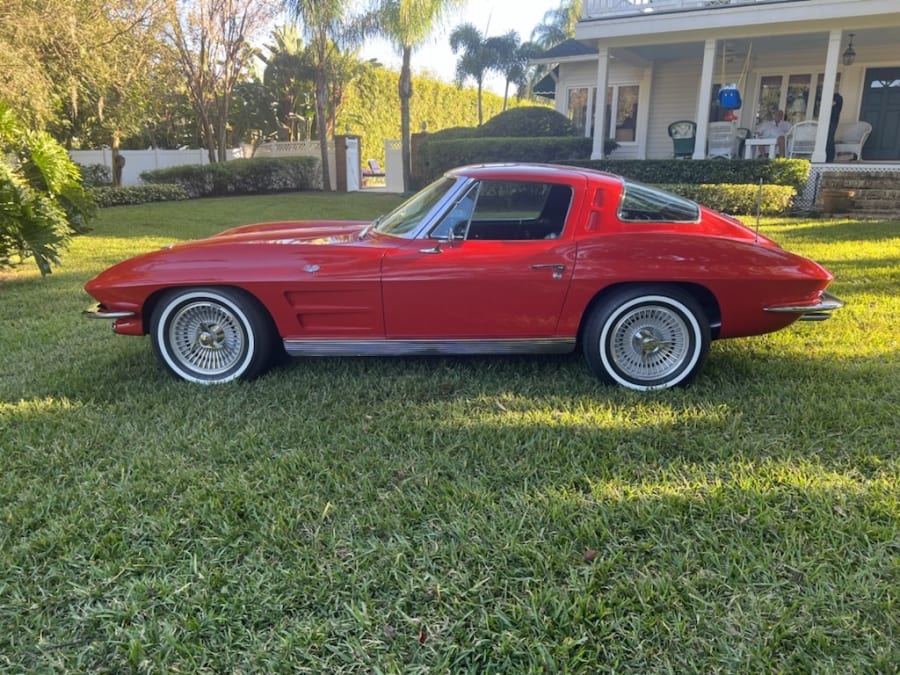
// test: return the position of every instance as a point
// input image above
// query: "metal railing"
(606, 9)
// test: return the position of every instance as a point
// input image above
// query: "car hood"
(288, 232)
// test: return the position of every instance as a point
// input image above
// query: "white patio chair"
(800, 141)
(722, 139)
(850, 138)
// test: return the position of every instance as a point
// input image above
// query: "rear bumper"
(818, 311)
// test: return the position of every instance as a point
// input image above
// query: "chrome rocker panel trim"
(427, 347)
(817, 312)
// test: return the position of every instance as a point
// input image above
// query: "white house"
(659, 61)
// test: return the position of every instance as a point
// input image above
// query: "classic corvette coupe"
(503, 259)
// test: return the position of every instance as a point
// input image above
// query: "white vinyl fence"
(138, 161)
(393, 165)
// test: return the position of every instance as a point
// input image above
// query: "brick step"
(857, 214)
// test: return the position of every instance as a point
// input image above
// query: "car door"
(505, 275)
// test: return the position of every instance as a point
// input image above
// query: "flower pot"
(837, 200)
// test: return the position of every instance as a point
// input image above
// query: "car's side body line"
(427, 347)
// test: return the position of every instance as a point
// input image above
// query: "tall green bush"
(793, 172)
(42, 200)
(372, 108)
(435, 157)
(241, 176)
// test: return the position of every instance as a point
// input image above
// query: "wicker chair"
(683, 134)
(800, 141)
(850, 138)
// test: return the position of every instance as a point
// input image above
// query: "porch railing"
(606, 9)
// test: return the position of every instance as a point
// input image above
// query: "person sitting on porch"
(776, 128)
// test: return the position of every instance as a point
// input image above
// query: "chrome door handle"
(556, 267)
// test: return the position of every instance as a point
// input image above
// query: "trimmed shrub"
(435, 157)
(242, 176)
(95, 175)
(792, 172)
(137, 194)
(774, 200)
(452, 134)
(527, 123)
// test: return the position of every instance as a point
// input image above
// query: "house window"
(820, 82)
(621, 110)
(623, 99)
(580, 108)
(797, 98)
(792, 93)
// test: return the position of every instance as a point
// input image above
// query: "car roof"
(535, 172)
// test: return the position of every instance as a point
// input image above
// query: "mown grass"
(448, 515)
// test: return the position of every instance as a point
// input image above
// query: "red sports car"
(508, 259)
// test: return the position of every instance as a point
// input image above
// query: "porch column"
(600, 121)
(704, 98)
(831, 62)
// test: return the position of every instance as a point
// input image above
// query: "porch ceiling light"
(849, 54)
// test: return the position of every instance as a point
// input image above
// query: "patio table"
(751, 143)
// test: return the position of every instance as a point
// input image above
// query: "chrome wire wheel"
(212, 335)
(649, 342)
(647, 338)
(207, 338)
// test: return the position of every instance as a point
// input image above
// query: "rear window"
(642, 203)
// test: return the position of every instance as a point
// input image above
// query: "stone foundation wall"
(877, 192)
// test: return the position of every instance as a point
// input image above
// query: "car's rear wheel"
(212, 335)
(648, 337)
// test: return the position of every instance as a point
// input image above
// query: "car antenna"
(758, 209)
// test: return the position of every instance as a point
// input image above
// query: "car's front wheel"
(211, 335)
(647, 338)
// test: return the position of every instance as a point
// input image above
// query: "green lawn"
(448, 515)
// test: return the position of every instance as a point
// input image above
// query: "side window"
(517, 210)
(644, 203)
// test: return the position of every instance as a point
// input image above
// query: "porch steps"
(877, 192)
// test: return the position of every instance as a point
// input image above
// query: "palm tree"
(511, 61)
(325, 24)
(476, 58)
(289, 76)
(558, 24)
(406, 24)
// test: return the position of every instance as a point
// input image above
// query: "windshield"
(406, 217)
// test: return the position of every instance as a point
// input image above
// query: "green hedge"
(242, 176)
(435, 157)
(774, 200)
(137, 194)
(792, 172)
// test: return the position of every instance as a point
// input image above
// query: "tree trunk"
(322, 124)
(406, 93)
(118, 162)
(480, 113)
(209, 137)
(222, 127)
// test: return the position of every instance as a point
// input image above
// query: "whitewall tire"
(211, 335)
(647, 337)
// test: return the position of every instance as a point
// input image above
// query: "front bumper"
(100, 312)
(818, 311)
